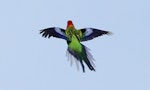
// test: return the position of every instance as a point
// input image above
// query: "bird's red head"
(70, 24)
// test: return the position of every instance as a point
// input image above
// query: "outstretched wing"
(90, 33)
(55, 32)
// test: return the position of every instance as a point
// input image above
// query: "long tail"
(83, 56)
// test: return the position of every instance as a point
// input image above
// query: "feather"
(90, 33)
(83, 56)
(55, 32)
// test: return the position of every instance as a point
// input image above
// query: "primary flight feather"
(74, 37)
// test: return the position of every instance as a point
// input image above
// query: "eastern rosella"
(74, 37)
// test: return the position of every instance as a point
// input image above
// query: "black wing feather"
(90, 33)
(55, 32)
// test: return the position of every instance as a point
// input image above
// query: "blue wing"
(90, 33)
(55, 32)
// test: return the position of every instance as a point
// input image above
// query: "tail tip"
(92, 69)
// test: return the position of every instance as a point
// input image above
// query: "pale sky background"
(30, 62)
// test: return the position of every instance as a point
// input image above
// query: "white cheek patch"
(58, 30)
(88, 31)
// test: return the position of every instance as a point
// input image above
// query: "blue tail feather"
(83, 56)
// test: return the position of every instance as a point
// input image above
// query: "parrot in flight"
(74, 37)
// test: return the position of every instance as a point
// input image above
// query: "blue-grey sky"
(30, 62)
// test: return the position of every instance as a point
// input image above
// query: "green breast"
(75, 44)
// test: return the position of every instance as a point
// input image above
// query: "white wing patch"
(58, 30)
(88, 31)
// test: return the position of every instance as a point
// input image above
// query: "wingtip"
(41, 31)
(109, 33)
